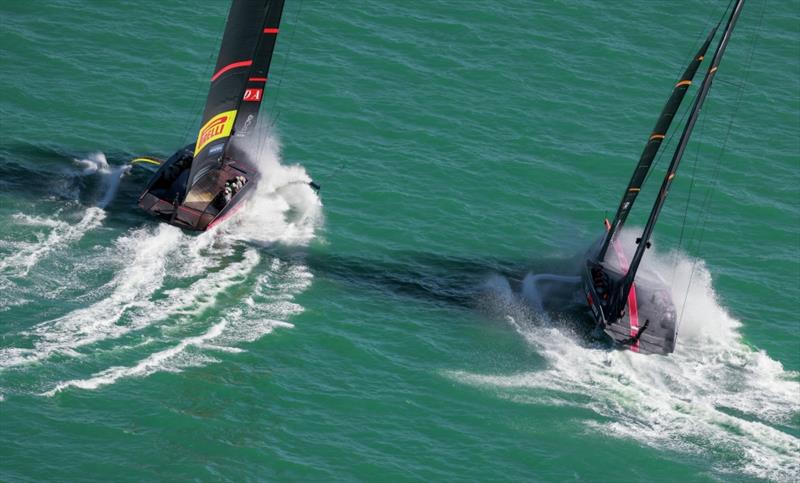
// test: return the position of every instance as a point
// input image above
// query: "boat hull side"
(654, 330)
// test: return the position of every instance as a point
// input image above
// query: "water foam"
(267, 308)
(154, 363)
(144, 256)
(57, 234)
(714, 395)
(283, 209)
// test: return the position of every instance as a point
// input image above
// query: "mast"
(653, 144)
(243, 52)
(676, 158)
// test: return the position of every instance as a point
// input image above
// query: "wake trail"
(56, 233)
(153, 363)
(713, 396)
(145, 256)
(268, 307)
(170, 289)
(59, 234)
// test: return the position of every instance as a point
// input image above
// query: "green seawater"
(384, 330)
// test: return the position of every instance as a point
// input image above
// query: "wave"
(267, 308)
(153, 363)
(60, 230)
(144, 256)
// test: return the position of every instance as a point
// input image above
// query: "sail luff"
(235, 58)
(257, 79)
(679, 150)
(653, 144)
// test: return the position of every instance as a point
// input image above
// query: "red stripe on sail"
(244, 63)
(270, 31)
(257, 79)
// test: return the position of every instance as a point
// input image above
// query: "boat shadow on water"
(500, 290)
(542, 292)
(37, 172)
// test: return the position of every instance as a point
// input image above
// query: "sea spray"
(167, 280)
(96, 163)
(713, 394)
(284, 208)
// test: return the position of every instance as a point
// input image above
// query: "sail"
(653, 145)
(679, 150)
(241, 146)
(236, 89)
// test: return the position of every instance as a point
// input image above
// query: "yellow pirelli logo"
(217, 127)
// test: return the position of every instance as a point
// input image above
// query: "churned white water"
(714, 394)
(166, 282)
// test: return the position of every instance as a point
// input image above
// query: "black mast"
(676, 158)
(653, 145)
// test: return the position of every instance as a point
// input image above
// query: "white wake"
(715, 394)
(171, 289)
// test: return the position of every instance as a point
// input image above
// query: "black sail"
(679, 150)
(241, 146)
(244, 55)
(653, 144)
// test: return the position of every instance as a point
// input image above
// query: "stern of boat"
(206, 203)
(646, 324)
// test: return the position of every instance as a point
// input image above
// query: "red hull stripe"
(633, 315)
(270, 31)
(257, 79)
(633, 309)
(244, 63)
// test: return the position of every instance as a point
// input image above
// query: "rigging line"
(333, 174)
(740, 96)
(199, 99)
(689, 197)
(709, 195)
(668, 141)
(286, 59)
(263, 140)
(729, 83)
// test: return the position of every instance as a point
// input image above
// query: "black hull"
(165, 194)
(645, 323)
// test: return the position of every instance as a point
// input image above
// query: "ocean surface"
(386, 330)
